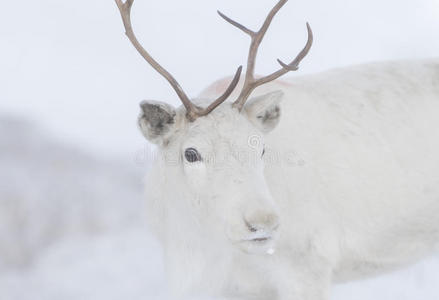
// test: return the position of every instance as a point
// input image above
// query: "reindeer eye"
(192, 155)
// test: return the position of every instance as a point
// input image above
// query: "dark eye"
(263, 152)
(192, 155)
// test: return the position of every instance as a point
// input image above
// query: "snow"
(117, 265)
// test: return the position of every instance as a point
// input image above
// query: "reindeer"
(249, 205)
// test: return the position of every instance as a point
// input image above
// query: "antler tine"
(250, 82)
(294, 65)
(269, 18)
(236, 24)
(225, 95)
(256, 37)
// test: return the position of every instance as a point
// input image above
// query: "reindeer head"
(217, 151)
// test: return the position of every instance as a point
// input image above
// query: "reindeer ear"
(157, 121)
(264, 111)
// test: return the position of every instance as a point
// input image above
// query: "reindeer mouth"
(263, 244)
(260, 240)
(257, 242)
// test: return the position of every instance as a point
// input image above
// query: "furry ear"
(264, 111)
(157, 121)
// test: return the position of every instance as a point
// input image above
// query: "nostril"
(250, 226)
(262, 221)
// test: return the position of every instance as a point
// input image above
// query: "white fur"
(352, 172)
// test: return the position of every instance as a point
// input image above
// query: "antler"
(251, 82)
(192, 111)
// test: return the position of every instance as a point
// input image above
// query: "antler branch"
(294, 65)
(193, 111)
(226, 94)
(250, 82)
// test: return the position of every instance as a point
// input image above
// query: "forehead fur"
(224, 123)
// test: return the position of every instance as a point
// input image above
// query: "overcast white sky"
(68, 65)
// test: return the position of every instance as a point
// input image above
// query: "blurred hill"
(49, 190)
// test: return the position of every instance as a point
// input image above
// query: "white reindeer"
(251, 206)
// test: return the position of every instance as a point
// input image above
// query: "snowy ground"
(127, 265)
